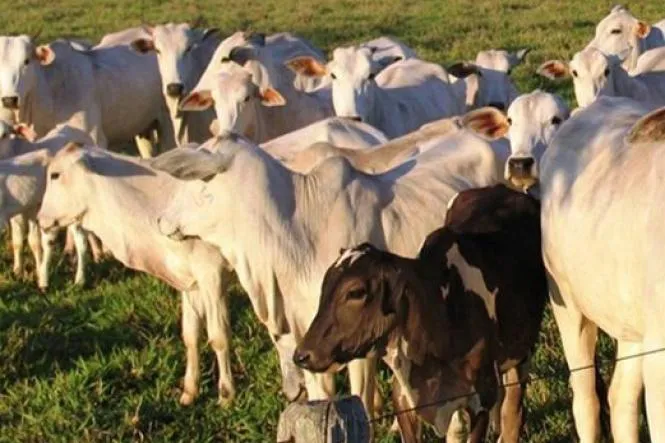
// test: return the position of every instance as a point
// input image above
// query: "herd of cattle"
(371, 206)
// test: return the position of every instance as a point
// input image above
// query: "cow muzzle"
(175, 90)
(521, 171)
(10, 102)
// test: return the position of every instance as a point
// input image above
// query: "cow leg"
(410, 426)
(293, 380)
(219, 333)
(18, 228)
(479, 425)
(96, 248)
(48, 242)
(144, 146)
(81, 242)
(191, 328)
(624, 393)
(362, 377)
(35, 242)
(69, 243)
(578, 336)
(512, 412)
(457, 428)
(654, 359)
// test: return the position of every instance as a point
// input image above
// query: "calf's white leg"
(362, 378)
(654, 357)
(35, 242)
(191, 327)
(578, 336)
(81, 242)
(624, 393)
(18, 228)
(48, 242)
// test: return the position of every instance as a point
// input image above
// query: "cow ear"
(553, 69)
(648, 129)
(240, 55)
(642, 29)
(463, 69)
(271, 97)
(143, 45)
(307, 65)
(197, 101)
(44, 54)
(25, 131)
(209, 33)
(520, 55)
(489, 122)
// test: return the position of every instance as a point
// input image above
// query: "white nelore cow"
(115, 91)
(595, 74)
(487, 82)
(117, 198)
(621, 34)
(602, 182)
(261, 114)
(531, 122)
(183, 54)
(283, 232)
(22, 183)
(397, 99)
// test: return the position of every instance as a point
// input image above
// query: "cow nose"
(302, 358)
(498, 105)
(174, 90)
(10, 102)
(521, 165)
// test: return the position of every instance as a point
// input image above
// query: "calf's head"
(531, 122)
(359, 308)
(235, 97)
(20, 61)
(352, 71)
(621, 34)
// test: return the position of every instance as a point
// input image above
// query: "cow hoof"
(186, 399)
(226, 396)
(43, 289)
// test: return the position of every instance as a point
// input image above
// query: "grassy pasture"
(104, 363)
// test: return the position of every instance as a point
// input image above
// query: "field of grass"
(105, 363)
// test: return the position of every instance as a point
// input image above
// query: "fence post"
(336, 421)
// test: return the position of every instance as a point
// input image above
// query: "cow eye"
(556, 120)
(27, 61)
(607, 72)
(371, 76)
(510, 121)
(616, 31)
(55, 175)
(247, 99)
(574, 73)
(356, 294)
(333, 76)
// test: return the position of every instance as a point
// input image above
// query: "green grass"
(104, 364)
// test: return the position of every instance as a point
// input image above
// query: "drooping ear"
(307, 65)
(271, 97)
(209, 32)
(489, 122)
(642, 29)
(197, 101)
(44, 54)
(520, 55)
(25, 131)
(553, 69)
(463, 69)
(143, 45)
(648, 129)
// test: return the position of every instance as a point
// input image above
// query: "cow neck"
(38, 108)
(424, 324)
(121, 216)
(624, 85)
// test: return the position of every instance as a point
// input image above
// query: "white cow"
(397, 100)
(114, 91)
(622, 35)
(22, 183)
(595, 74)
(124, 37)
(117, 198)
(183, 54)
(602, 219)
(530, 124)
(242, 106)
(487, 82)
(283, 232)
